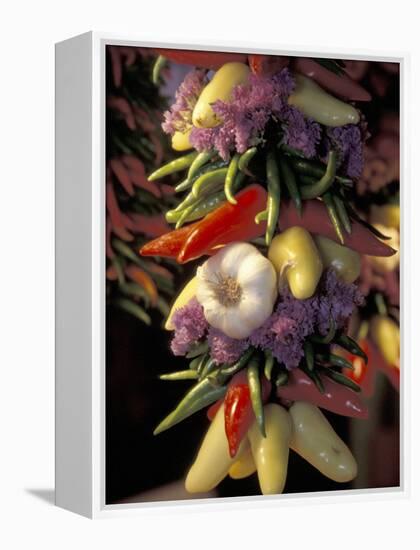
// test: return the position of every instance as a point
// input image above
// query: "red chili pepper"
(363, 373)
(267, 64)
(239, 414)
(168, 245)
(228, 223)
(315, 219)
(337, 398)
(207, 60)
(340, 85)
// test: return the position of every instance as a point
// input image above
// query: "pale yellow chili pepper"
(314, 439)
(271, 453)
(316, 103)
(297, 261)
(220, 87)
(345, 261)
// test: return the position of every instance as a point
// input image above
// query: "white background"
(28, 32)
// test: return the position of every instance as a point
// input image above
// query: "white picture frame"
(80, 280)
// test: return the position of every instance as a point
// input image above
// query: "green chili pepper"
(281, 378)
(200, 160)
(315, 169)
(174, 166)
(291, 151)
(274, 195)
(261, 216)
(208, 368)
(341, 379)
(314, 376)
(350, 345)
(239, 365)
(334, 360)
(204, 358)
(324, 183)
(342, 213)
(203, 394)
(180, 375)
(187, 183)
(157, 67)
(230, 179)
(245, 159)
(185, 213)
(307, 180)
(332, 212)
(269, 364)
(197, 349)
(209, 181)
(309, 355)
(254, 383)
(195, 362)
(328, 337)
(290, 180)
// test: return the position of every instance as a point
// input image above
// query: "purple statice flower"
(179, 117)
(293, 320)
(190, 325)
(246, 115)
(336, 300)
(347, 140)
(300, 132)
(224, 349)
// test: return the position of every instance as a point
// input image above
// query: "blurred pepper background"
(140, 466)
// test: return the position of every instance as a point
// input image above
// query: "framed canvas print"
(228, 274)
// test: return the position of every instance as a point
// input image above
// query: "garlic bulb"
(237, 288)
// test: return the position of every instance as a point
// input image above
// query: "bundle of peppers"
(259, 405)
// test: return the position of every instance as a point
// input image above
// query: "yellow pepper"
(213, 461)
(271, 453)
(297, 261)
(314, 439)
(181, 141)
(386, 334)
(345, 261)
(219, 88)
(186, 294)
(244, 466)
(316, 103)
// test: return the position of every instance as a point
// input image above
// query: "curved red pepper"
(168, 245)
(206, 60)
(315, 219)
(340, 85)
(239, 414)
(267, 64)
(226, 224)
(337, 398)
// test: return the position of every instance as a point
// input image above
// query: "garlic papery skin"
(237, 288)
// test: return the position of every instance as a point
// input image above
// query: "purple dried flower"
(347, 140)
(224, 349)
(179, 117)
(300, 133)
(190, 325)
(293, 320)
(246, 115)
